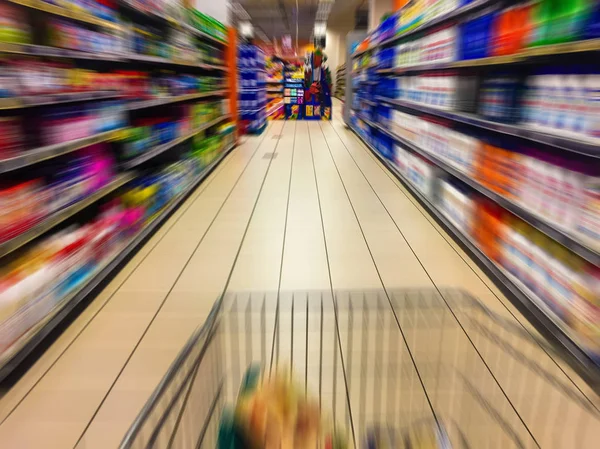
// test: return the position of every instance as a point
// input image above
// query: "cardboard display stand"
(317, 87)
(307, 93)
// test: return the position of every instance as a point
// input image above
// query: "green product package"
(541, 17)
(568, 20)
(559, 21)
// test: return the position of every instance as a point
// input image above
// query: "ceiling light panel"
(320, 28)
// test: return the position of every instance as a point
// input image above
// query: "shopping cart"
(381, 363)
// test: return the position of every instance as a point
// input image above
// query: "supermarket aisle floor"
(305, 206)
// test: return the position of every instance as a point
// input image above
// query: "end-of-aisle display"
(317, 86)
(488, 113)
(293, 90)
(308, 88)
(97, 152)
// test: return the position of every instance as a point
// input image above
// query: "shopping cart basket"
(381, 363)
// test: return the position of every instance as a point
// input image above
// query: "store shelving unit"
(19, 164)
(340, 82)
(584, 249)
(15, 354)
(143, 104)
(46, 100)
(565, 143)
(117, 58)
(274, 88)
(370, 117)
(452, 16)
(547, 323)
(78, 16)
(157, 150)
(55, 219)
(36, 155)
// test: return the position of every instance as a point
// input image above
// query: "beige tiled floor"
(305, 206)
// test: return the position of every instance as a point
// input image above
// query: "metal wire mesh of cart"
(380, 363)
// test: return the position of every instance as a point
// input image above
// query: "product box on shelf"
(476, 36)
(423, 175)
(14, 27)
(565, 284)
(439, 46)
(294, 96)
(499, 99)
(436, 90)
(456, 204)
(60, 124)
(510, 140)
(563, 101)
(385, 145)
(589, 224)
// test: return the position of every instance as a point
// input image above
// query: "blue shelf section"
(252, 92)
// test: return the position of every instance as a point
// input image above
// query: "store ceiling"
(277, 18)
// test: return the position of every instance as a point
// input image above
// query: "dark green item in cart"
(231, 436)
(251, 380)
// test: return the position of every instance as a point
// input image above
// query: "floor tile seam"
(410, 353)
(276, 324)
(234, 264)
(338, 333)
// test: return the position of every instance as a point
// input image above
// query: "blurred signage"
(286, 43)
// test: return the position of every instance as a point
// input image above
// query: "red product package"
(22, 206)
(136, 84)
(11, 137)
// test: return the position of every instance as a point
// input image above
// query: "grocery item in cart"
(273, 412)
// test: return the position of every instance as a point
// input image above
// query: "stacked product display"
(252, 102)
(274, 83)
(504, 154)
(294, 91)
(340, 83)
(90, 165)
(318, 86)
(308, 88)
